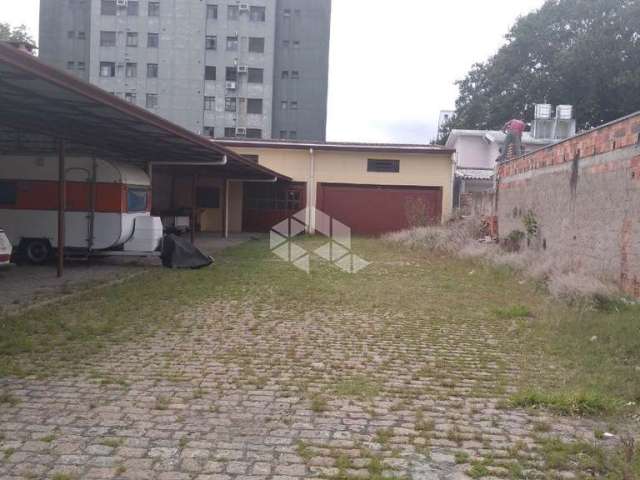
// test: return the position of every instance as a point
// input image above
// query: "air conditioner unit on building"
(230, 85)
(243, 7)
(243, 69)
(241, 132)
(121, 3)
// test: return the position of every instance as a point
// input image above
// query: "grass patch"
(515, 311)
(319, 404)
(572, 403)
(359, 387)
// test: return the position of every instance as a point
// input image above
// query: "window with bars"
(232, 44)
(107, 39)
(254, 105)
(131, 70)
(132, 39)
(254, 133)
(154, 9)
(153, 40)
(230, 104)
(211, 42)
(212, 12)
(209, 73)
(152, 70)
(209, 103)
(257, 14)
(107, 69)
(108, 7)
(133, 8)
(256, 75)
(152, 100)
(233, 12)
(209, 132)
(256, 44)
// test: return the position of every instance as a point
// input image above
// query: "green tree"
(580, 52)
(18, 34)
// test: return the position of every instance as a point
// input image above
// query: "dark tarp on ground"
(178, 252)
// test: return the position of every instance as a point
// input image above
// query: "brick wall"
(584, 193)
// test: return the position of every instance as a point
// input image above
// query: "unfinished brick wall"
(585, 196)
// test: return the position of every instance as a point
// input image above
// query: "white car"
(5, 249)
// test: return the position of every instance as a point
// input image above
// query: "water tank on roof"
(564, 112)
(543, 111)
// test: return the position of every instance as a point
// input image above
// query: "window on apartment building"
(386, 166)
(152, 70)
(284, 75)
(293, 135)
(283, 134)
(132, 39)
(293, 105)
(229, 132)
(233, 12)
(209, 132)
(232, 44)
(211, 42)
(295, 75)
(107, 69)
(257, 14)
(71, 65)
(296, 44)
(152, 100)
(230, 104)
(133, 8)
(81, 66)
(71, 34)
(209, 73)
(108, 7)
(256, 44)
(81, 36)
(107, 39)
(297, 12)
(254, 133)
(285, 43)
(209, 103)
(254, 105)
(154, 9)
(256, 75)
(231, 74)
(130, 97)
(286, 13)
(131, 70)
(284, 105)
(212, 12)
(153, 40)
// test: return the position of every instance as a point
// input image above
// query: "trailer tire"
(37, 251)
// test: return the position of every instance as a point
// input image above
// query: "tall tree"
(18, 34)
(580, 52)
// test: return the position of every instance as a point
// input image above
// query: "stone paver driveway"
(237, 390)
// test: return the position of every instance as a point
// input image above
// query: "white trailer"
(107, 209)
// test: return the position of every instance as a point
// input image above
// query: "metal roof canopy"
(40, 105)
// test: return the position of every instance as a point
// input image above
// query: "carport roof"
(39, 103)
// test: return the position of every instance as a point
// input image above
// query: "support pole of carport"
(62, 204)
(225, 209)
(194, 207)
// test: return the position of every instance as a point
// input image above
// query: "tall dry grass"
(465, 238)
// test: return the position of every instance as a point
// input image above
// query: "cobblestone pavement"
(240, 391)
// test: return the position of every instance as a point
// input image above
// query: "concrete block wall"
(584, 193)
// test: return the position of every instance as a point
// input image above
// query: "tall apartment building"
(223, 68)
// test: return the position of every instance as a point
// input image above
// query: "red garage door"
(376, 209)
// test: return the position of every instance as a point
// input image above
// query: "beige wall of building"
(316, 166)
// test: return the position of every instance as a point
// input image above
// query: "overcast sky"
(393, 62)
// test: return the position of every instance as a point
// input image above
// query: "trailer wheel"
(38, 251)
